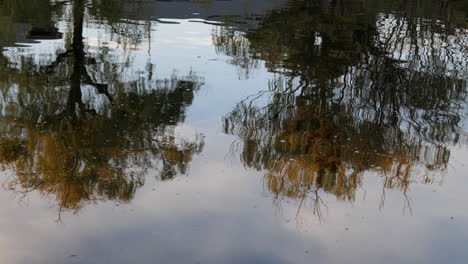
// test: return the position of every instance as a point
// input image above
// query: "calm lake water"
(266, 131)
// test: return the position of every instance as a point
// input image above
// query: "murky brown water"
(268, 131)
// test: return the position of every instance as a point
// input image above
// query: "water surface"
(233, 131)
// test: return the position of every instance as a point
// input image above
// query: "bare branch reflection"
(82, 126)
(355, 93)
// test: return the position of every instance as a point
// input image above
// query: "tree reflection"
(78, 128)
(354, 91)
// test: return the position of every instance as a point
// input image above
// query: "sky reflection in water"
(233, 132)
